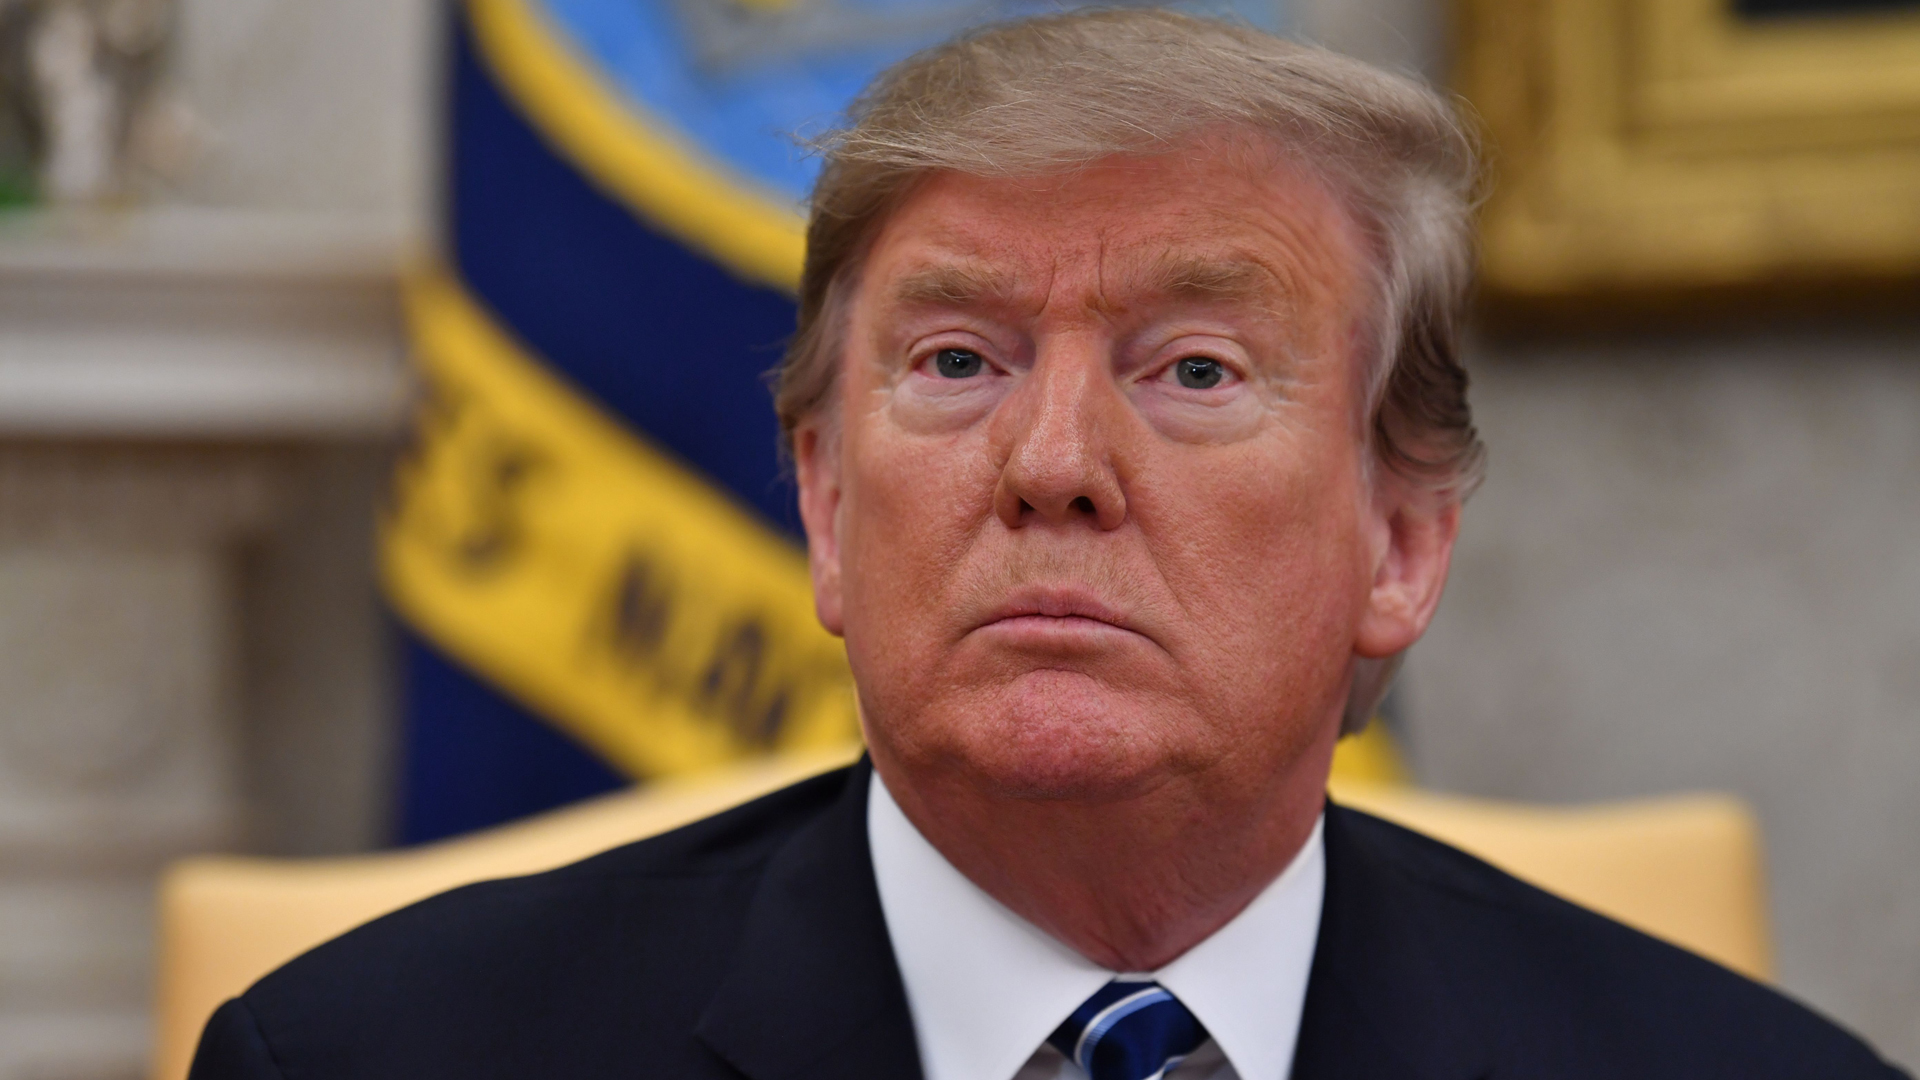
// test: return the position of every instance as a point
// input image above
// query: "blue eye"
(957, 363)
(1199, 373)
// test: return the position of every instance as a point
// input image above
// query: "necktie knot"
(1129, 1030)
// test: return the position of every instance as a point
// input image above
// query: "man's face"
(1090, 507)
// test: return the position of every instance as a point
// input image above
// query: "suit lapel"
(814, 990)
(1379, 1003)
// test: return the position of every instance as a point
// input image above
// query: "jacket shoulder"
(631, 941)
(1560, 986)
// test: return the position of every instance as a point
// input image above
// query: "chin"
(1058, 735)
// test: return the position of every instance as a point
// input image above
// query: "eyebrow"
(1181, 277)
(1206, 277)
(953, 285)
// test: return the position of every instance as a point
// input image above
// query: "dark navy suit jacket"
(752, 945)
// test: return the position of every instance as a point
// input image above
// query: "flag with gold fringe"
(591, 548)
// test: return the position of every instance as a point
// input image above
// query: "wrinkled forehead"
(1122, 233)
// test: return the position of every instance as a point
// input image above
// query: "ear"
(1412, 533)
(816, 464)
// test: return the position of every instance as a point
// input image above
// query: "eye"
(1199, 372)
(957, 363)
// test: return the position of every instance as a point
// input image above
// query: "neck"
(1130, 885)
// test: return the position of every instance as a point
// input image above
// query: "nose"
(1059, 433)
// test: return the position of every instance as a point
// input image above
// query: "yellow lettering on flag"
(591, 576)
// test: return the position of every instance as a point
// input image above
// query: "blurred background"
(267, 585)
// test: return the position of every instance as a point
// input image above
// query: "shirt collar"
(986, 987)
(1248, 982)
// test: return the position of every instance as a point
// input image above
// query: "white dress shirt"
(986, 987)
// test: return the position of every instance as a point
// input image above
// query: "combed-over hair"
(1048, 95)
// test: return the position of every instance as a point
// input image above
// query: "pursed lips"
(1057, 615)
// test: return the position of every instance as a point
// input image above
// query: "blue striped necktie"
(1129, 1030)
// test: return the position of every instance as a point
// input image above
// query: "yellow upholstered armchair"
(1686, 869)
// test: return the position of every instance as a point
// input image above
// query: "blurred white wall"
(198, 395)
(311, 106)
(1696, 565)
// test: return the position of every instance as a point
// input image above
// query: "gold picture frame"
(1664, 148)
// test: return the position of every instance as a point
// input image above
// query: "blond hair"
(1047, 95)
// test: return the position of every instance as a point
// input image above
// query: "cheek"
(912, 508)
(1265, 550)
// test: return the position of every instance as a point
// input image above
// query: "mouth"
(1058, 616)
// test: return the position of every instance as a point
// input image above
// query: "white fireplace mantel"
(197, 323)
(195, 408)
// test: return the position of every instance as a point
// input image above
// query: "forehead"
(1202, 225)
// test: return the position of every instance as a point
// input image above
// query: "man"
(1131, 440)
